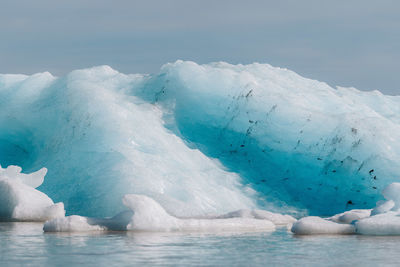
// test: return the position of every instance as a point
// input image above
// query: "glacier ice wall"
(200, 139)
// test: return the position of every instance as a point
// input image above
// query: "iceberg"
(202, 141)
(20, 201)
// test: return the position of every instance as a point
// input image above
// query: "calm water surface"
(23, 244)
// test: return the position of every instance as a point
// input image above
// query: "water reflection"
(25, 243)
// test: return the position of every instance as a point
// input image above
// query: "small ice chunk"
(351, 215)
(392, 192)
(72, 223)
(381, 224)
(382, 207)
(313, 225)
(276, 218)
(150, 216)
(19, 201)
(34, 179)
(75, 223)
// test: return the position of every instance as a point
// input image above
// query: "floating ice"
(350, 216)
(20, 201)
(148, 215)
(316, 225)
(382, 207)
(201, 139)
(100, 143)
(386, 216)
(337, 224)
(381, 224)
(73, 223)
(276, 218)
(384, 219)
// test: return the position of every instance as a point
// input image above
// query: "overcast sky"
(346, 43)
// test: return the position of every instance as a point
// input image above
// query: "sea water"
(24, 244)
